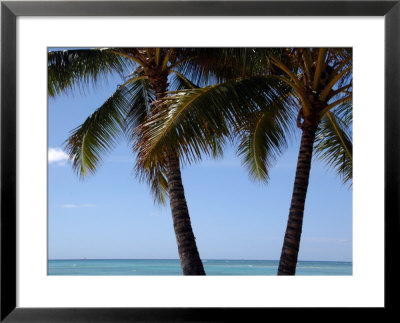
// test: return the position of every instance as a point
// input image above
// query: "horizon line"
(349, 261)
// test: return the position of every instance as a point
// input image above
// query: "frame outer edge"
(8, 158)
(392, 149)
(8, 161)
(202, 8)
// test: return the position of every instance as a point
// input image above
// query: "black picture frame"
(10, 10)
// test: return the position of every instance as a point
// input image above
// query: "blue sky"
(112, 215)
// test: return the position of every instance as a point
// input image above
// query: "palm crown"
(260, 105)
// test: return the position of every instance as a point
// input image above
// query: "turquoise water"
(155, 267)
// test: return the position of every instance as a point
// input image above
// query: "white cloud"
(69, 206)
(57, 155)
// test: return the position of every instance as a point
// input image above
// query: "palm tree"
(139, 98)
(322, 80)
(262, 112)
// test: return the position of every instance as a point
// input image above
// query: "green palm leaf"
(155, 175)
(81, 66)
(208, 66)
(264, 138)
(139, 95)
(97, 135)
(333, 142)
(159, 185)
(192, 120)
(180, 82)
(124, 110)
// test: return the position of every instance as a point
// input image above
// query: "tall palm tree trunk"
(291, 243)
(187, 249)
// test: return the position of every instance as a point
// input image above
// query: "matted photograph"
(200, 161)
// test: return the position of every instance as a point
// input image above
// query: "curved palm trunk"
(187, 249)
(189, 256)
(291, 243)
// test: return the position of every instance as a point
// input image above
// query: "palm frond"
(139, 96)
(98, 134)
(193, 120)
(155, 175)
(344, 113)
(265, 137)
(180, 82)
(208, 66)
(333, 142)
(81, 67)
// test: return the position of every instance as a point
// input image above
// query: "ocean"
(155, 267)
